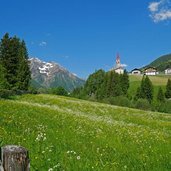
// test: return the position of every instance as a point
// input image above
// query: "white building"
(168, 71)
(136, 72)
(150, 71)
(118, 67)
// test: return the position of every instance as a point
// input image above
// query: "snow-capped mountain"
(51, 74)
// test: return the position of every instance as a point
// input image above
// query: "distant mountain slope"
(51, 74)
(161, 63)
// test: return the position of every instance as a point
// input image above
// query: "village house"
(136, 71)
(168, 71)
(150, 71)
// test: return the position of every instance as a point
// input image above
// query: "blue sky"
(85, 35)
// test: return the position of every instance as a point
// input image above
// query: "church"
(118, 68)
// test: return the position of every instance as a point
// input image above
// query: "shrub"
(58, 91)
(32, 90)
(120, 101)
(164, 107)
(143, 104)
(6, 93)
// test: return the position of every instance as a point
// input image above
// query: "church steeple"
(118, 68)
(118, 62)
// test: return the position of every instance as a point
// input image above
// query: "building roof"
(150, 69)
(136, 69)
(168, 69)
(120, 67)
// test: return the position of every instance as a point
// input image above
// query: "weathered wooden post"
(14, 158)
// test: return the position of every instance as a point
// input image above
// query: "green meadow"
(63, 133)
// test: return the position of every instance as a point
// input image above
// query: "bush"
(58, 91)
(120, 101)
(32, 90)
(143, 104)
(164, 107)
(6, 93)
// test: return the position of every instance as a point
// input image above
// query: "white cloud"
(43, 43)
(124, 65)
(154, 6)
(162, 15)
(160, 11)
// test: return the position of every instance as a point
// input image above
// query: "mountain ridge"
(51, 74)
(161, 63)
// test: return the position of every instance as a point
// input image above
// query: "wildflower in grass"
(40, 137)
(71, 152)
(50, 169)
(78, 157)
(56, 166)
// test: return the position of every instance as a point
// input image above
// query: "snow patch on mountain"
(45, 69)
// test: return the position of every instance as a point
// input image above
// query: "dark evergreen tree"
(23, 72)
(147, 89)
(102, 90)
(113, 84)
(4, 56)
(141, 91)
(14, 60)
(138, 94)
(168, 89)
(116, 85)
(94, 82)
(160, 95)
(3, 81)
(124, 82)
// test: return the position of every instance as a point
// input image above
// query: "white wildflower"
(78, 157)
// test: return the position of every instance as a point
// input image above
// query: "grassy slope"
(158, 81)
(71, 134)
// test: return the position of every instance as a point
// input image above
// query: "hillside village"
(150, 70)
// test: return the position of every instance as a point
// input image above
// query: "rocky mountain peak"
(51, 74)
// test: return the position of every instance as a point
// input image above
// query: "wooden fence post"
(14, 158)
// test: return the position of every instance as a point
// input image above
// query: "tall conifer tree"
(23, 72)
(168, 89)
(160, 95)
(146, 89)
(14, 61)
(124, 82)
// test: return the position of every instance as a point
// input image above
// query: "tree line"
(110, 87)
(101, 85)
(15, 73)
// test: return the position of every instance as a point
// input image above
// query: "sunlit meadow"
(69, 134)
